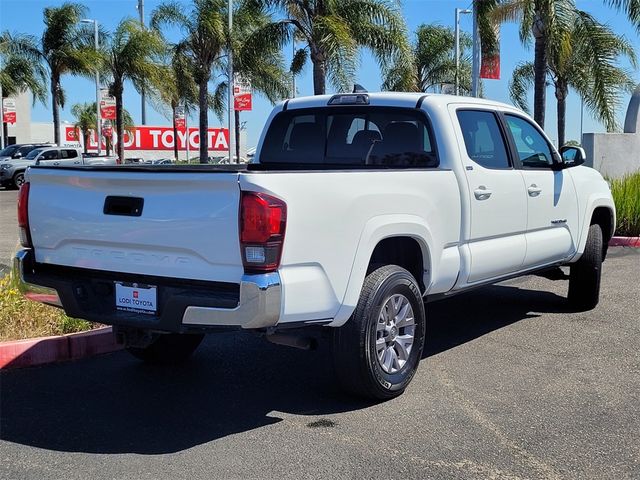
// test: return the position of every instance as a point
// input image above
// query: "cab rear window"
(374, 137)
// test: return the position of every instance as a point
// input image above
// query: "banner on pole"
(107, 128)
(9, 110)
(490, 57)
(107, 105)
(241, 93)
(180, 118)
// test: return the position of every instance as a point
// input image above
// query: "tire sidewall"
(15, 179)
(403, 283)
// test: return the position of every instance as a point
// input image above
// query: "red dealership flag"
(9, 110)
(490, 57)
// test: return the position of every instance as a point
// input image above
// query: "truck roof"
(393, 99)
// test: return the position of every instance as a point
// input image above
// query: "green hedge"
(626, 194)
(21, 318)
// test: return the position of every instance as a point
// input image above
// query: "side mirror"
(572, 156)
(17, 155)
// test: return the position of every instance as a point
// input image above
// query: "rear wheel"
(584, 279)
(168, 348)
(377, 352)
(18, 179)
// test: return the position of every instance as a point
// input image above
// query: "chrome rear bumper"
(258, 304)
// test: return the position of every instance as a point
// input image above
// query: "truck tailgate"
(187, 227)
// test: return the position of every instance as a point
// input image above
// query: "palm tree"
(86, 122)
(262, 65)
(334, 31)
(204, 28)
(433, 62)
(177, 88)
(587, 61)
(65, 48)
(545, 20)
(19, 74)
(132, 53)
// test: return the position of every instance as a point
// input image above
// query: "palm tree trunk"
(85, 135)
(319, 74)
(55, 108)
(203, 102)
(117, 92)
(237, 132)
(540, 87)
(175, 133)
(107, 145)
(561, 96)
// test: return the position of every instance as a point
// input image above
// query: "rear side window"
(69, 153)
(483, 139)
(350, 137)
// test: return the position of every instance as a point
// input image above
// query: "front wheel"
(584, 276)
(168, 348)
(377, 352)
(18, 179)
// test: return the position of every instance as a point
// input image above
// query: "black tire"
(354, 351)
(168, 348)
(18, 179)
(584, 277)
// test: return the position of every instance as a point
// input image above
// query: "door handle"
(534, 190)
(56, 163)
(482, 193)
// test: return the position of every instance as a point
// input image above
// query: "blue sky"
(26, 16)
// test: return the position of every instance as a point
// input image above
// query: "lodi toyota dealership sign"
(161, 138)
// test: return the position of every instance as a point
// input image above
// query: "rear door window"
(50, 155)
(69, 153)
(483, 138)
(350, 137)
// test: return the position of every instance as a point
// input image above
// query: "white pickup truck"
(356, 209)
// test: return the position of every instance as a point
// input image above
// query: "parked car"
(362, 207)
(95, 159)
(159, 161)
(12, 174)
(133, 160)
(20, 150)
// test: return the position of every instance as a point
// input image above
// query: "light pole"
(144, 107)
(293, 75)
(458, 12)
(293, 55)
(475, 74)
(230, 82)
(98, 119)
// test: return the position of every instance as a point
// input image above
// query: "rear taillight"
(23, 215)
(263, 219)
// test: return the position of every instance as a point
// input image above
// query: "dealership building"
(147, 142)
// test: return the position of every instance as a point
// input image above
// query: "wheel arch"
(602, 211)
(605, 217)
(380, 237)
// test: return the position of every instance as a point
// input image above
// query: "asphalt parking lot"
(512, 386)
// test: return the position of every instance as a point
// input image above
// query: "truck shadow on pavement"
(236, 382)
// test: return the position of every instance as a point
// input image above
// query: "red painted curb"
(38, 351)
(625, 242)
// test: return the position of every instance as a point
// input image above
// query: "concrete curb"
(625, 242)
(38, 351)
